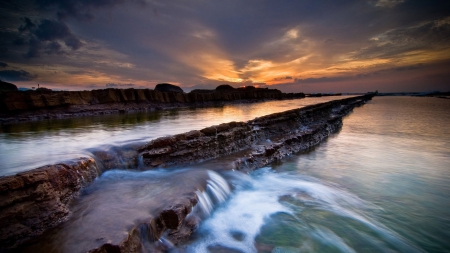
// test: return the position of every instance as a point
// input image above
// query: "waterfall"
(217, 191)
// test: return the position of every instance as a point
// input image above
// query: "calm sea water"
(382, 184)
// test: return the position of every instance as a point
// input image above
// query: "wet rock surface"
(36, 200)
(287, 132)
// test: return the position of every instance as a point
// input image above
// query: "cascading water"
(217, 192)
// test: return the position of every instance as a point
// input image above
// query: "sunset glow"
(350, 46)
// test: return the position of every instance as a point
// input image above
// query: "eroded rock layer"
(288, 132)
(33, 201)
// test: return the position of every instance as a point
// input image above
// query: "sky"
(292, 45)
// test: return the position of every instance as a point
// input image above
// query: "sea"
(380, 184)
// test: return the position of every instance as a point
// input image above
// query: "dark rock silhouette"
(4, 86)
(167, 87)
(224, 87)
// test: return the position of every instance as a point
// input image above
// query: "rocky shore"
(17, 106)
(38, 200)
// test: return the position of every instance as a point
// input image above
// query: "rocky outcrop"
(36, 200)
(45, 104)
(4, 86)
(290, 131)
(167, 87)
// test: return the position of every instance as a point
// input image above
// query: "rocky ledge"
(35, 201)
(46, 104)
(267, 138)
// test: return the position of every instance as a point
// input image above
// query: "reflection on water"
(26, 146)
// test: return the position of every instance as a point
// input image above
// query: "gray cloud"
(360, 75)
(432, 35)
(3, 64)
(51, 30)
(16, 75)
(46, 37)
(122, 85)
(80, 9)
(28, 26)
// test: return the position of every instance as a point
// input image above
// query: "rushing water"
(382, 184)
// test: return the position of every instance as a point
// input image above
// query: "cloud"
(388, 3)
(3, 64)
(52, 30)
(112, 85)
(28, 26)
(16, 75)
(431, 35)
(47, 37)
(80, 9)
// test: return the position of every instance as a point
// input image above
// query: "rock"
(4, 86)
(167, 87)
(36, 200)
(225, 87)
(227, 138)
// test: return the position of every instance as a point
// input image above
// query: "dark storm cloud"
(51, 30)
(34, 49)
(3, 64)
(16, 75)
(80, 9)
(46, 37)
(28, 26)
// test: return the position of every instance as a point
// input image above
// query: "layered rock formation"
(43, 104)
(34, 201)
(293, 130)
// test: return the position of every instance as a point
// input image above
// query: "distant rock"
(4, 86)
(225, 87)
(167, 87)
